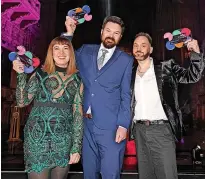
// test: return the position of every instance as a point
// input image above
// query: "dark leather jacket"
(168, 75)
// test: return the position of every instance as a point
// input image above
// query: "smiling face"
(61, 55)
(142, 48)
(111, 34)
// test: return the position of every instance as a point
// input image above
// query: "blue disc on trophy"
(170, 46)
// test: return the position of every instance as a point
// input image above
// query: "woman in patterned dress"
(53, 132)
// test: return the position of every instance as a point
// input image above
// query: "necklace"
(140, 71)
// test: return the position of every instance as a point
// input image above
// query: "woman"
(53, 132)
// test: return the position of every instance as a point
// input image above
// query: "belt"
(147, 122)
(89, 116)
(51, 104)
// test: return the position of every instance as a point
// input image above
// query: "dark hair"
(145, 35)
(115, 20)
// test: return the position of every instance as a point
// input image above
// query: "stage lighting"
(198, 156)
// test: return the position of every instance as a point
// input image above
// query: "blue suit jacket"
(107, 91)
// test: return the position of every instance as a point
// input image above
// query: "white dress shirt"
(107, 55)
(148, 103)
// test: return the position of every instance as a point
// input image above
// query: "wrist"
(67, 34)
(122, 127)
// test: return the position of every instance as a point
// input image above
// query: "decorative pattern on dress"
(55, 125)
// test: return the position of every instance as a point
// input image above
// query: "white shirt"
(148, 103)
(107, 57)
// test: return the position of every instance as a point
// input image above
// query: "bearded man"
(106, 74)
(157, 119)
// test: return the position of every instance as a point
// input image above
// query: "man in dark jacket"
(157, 119)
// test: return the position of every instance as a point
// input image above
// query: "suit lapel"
(95, 56)
(109, 63)
(134, 70)
(158, 73)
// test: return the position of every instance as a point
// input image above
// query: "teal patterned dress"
(54, 128)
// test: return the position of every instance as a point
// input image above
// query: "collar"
(151, 64)
(110, 50)
(60, 69)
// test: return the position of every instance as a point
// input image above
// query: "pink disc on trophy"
(186, 31)
(168, 36)
(87, 17)
(21, 50)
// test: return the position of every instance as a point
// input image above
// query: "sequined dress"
(54, 128)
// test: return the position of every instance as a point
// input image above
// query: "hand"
(70, 25)
(74, 158)
(18, 66)
(121, 134)
(192, 45)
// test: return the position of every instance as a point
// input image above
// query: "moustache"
(139, 52)
(110, 38)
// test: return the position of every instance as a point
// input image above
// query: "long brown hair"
(49, 65)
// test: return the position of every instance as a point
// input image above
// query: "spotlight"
(198, 156)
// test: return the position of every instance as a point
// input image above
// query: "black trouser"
(155, 151)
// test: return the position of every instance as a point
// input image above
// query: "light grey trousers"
(155, 151)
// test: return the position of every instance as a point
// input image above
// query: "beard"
(109, 42)
(140, 56)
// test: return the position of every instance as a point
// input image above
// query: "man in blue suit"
(106, 74)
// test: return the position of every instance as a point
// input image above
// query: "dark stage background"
(155, 17)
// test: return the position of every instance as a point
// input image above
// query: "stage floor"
(12, 165)
(15, 175)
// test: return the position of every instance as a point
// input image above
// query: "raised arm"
(194, 72)
(191, 74)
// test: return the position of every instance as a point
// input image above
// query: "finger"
(75, 160)
(187, 41)
(71, 159)
(192, 42)
(21, 69)
(18, 67)
(17, 62)
(190, 47)
(70, 19)
(118, 138)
